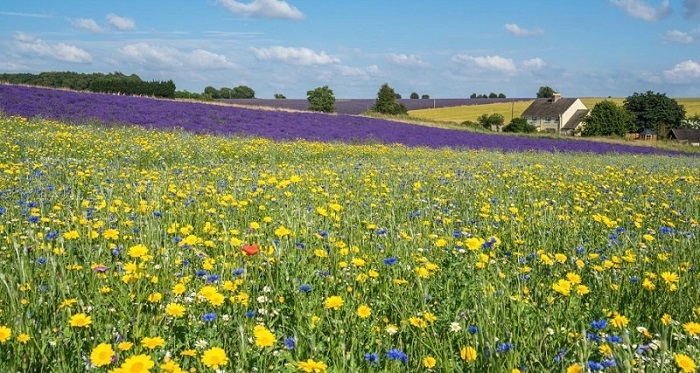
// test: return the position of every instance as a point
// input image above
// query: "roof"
(575, 119)
(545, 107)
(684, 135)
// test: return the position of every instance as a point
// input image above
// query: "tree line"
(95, 82)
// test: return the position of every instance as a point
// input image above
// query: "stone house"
(556, 115)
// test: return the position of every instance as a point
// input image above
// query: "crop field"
(459, 114)
(138, 248)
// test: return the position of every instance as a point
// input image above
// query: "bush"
(519, 125)
(386, 102)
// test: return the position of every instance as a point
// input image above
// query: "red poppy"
(251, 249)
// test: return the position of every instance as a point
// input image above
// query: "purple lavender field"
(359, 106)
(79, 107)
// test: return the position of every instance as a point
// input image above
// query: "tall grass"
(203, 253)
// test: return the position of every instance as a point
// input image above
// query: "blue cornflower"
(396, 354)
(665, 230)
(184, 262)
(300, 245)
(391, 260)
(2, 210)
(305, 288)
(250, 314)
(472, 329)
(51, 235)
(157, 214)
(323, 233)
(212, 278)
(608, 363)
(200, 273)
(560, 355)
(209, 317)
(593, 337)
(41, 260)
(371, 358)
(599, 324)
(504, 347)
(594, 366)
(238, 271)
(613, 339)
(290, 343)
(33, 219)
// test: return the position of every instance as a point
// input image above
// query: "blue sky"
(444, 48)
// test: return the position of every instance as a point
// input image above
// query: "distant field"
(509, 110)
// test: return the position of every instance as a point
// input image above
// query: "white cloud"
(169, 57)
(683, 72)
(60, 51)
(297, 56)
(121, 23)
(496, 63)
(264, 9)
(371, 70)
(641, 10)
(30, 15)
(679, 37)
(87, 24)
(410, 60)
(534, 63)
(518, 31)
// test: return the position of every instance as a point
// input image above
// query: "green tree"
(242, 91)
(425, 97)
(519, 125)
(546, 92)
(321, 99)
(279, 96)
(473, 95)
(493, 95)
(211, 91)
(501, 95)
(491, 121)
(607, 119)
(654, 111)
(386, 102)
(414, 95)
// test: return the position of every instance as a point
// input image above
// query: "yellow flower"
(214, 357)
(111, 234)
(576, 368)
(692, 328)
(138, 251)
(80, 320)
(155, 297)
(364, 311)
(562, 287)
(263, 336)
(312, 366)
(179, 288)
(334, 302)
(468, 353)
(71, 235)
(666, 319)
(102, 355)
(685, 363)
(429, 362)
(282, 231)
(670, 277)
(175, 310)
(124, 346)
(582, 289)
(23, 338)
(573, 278)
(152, 342)
(5, 334)
(137, 364)
(619, 321)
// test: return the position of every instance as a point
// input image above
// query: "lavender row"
(276, 125)
(359, 106)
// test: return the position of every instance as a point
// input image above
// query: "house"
(556, 115)
(687, 136)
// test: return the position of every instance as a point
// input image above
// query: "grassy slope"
(460, 114)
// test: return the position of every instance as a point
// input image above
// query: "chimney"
(556, 96)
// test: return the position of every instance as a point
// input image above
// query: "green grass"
(459, 114)
(536, 261)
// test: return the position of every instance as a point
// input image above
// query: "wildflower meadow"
(126, 249)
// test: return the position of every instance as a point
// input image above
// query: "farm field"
(125, 245)
(459, 114)
(199, 251)
(81, 107)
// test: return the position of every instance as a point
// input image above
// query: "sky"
(442, 48)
